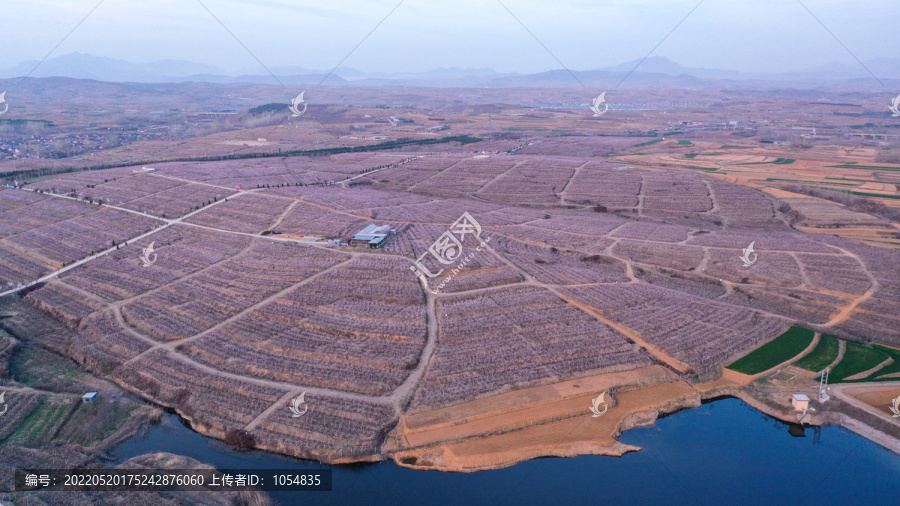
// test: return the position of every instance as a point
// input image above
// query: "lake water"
(723, 452)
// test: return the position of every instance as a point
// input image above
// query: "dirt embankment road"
(550, 420)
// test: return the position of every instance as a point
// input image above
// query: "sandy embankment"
(549, 420)
(879, 398)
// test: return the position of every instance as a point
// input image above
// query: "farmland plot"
(21, 211)
(212, 402)
(652, 231)
(464, 177)
(332, 428)
(550, 265)
(359, 328)
(533, 233)
(224, 325)
(187, 307)
(838, 273)
(308, 219)
(578, 146)
(483, 271)
(675, 193)
(605, 184)
(771, 268)
(744, 207)
(687, 282)
(530, 183)
(354, 200)
(146, 193)
(495, 341)
(64, 302)
(414, 172)
(53, 231)
(180, 251)
(102, 344)
(673, 256)
(177, 201)
(696, 331)
(69, 240)
(772, 240)
(248, 213)
(79, 181)
(802, 305)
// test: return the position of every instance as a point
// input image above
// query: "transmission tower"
(823, 387)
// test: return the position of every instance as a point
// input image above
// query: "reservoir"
(723, 452)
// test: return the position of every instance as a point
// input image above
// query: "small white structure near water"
(800, 402)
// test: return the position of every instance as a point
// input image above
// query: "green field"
(41, 426)
(809, 182)
(685, 143)
(96, 421)
(778, 161)
(784, 161)
(863, 167)
(39, 368)
(822, 356)
(781, 349)
(890, 369)
(847, 179)
(648, 143)
(876, 195)
(857, 358)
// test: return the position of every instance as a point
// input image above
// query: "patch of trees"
(240, 440)
(266, 108)
(399, 143)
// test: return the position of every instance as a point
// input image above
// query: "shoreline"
(495, 451)
(631, 406)
(548, 420)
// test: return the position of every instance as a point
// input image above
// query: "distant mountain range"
(657, 71)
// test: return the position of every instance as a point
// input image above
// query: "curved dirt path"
(672, 362)
(278, 385)
(847, 310)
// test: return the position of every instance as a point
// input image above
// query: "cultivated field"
(592, 256)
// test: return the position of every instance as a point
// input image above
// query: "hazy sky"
(749, 35)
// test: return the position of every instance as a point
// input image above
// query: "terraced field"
(566, 267)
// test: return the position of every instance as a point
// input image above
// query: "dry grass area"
(523, 406)
(878, 397)
(579, 435)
